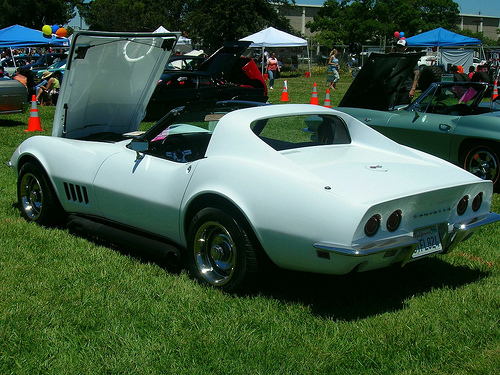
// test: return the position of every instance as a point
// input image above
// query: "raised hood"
(222, 61)
(379, 79)
(109, 80)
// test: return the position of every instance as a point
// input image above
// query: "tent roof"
(272, 37)
(17, 36)
(440, 38)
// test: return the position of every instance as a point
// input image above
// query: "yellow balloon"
(47, 30)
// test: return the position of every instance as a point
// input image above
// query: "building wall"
(479, 23)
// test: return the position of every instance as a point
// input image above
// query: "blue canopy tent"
(440, 38)
(22, 37)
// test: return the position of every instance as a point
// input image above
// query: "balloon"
(401, 34)
(396, 34)
(55, 28)
(61, 32)
(47, 30)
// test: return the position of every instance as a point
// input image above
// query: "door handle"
(444, 127)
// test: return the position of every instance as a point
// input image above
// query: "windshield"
(453, 99)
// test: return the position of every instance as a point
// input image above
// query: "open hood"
(379, 79)
(109, 80)
(222, 61)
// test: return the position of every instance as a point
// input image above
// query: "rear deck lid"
(109, 80)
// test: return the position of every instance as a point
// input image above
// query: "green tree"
(35, 13)
(373, 21)
(213, 22)
(135, 15)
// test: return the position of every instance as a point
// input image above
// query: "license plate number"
(429, 242)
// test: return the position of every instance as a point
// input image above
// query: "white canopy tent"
(274, 38)
(183, 43)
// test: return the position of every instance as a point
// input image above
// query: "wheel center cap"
(217, 252)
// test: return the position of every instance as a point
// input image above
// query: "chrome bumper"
(404, 246)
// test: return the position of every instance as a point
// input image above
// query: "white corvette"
(306, 187)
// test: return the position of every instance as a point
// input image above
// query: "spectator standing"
(407, 91)
(333, 69)
(471, 71)
(272, 68)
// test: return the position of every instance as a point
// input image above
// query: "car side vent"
(76, 193)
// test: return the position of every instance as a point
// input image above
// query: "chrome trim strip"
(449, 239)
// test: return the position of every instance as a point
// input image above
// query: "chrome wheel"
(31, 196)
(37, 199)
(215, 253)
(483, 163)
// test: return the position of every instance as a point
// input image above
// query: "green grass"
(72, 306)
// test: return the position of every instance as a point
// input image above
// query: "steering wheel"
(441, 104)
(177, 147)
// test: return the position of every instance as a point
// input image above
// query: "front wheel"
(483, 162)
(220, 252)
(37, 199)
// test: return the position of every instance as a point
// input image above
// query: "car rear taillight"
(372, 225)
(477, 202)
(462, 205)
(394, 221)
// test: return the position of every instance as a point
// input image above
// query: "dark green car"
(457, 121)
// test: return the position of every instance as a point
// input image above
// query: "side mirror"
(139, 146)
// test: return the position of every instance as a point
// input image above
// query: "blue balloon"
(55, 28)
(401, 34)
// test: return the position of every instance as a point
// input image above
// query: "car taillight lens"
(372, 225)
(394, 221)
(477, 202)
(462, 205)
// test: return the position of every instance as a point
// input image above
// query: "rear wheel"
(483, 162)
(220, 252)
(36, 197)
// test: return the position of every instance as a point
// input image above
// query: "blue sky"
(486, 7)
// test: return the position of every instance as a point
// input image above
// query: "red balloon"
(61, 32)
(396, 34)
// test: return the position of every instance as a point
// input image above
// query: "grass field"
(72, 306)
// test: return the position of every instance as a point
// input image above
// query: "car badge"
(376, 168)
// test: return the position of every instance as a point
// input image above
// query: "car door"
(428, 132)
(143, 192)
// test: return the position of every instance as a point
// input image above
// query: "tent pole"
(308, 58)
(262, 65)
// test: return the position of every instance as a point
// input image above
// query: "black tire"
(483, 161)
(220, 251)
(36, 196)
(428, 75)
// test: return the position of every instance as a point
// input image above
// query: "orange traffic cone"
(327, 103)
(495, 90)
(314, 96)
(284, 94)
(34, 123)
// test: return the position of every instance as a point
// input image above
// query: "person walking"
(272, 68)
(333, 75)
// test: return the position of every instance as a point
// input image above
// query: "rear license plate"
(429, 242)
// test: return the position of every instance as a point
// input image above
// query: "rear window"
(283, 133)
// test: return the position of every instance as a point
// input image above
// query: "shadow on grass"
(6, 123)
(360, 295)
(340, 297)
(344, 297)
